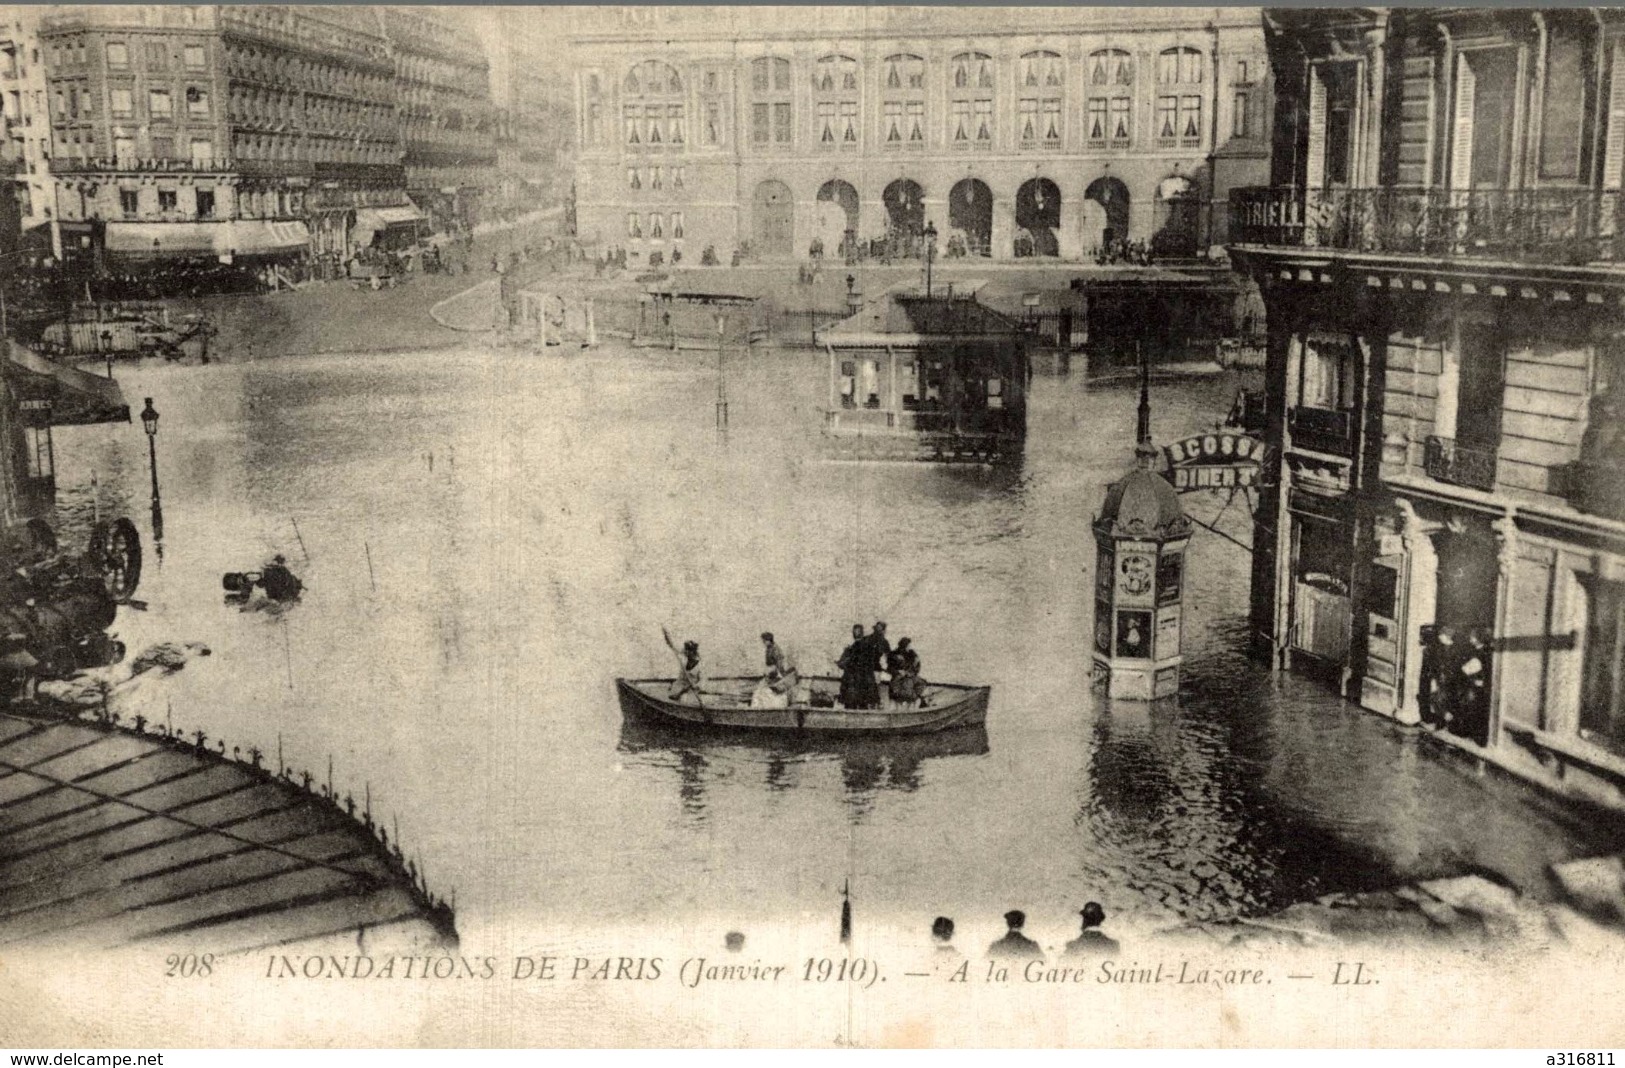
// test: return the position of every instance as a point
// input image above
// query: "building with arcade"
(1015, 132)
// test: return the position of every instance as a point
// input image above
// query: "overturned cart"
(56, 606)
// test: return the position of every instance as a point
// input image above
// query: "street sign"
(1223, 459)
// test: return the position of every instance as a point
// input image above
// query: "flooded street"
(487, 541)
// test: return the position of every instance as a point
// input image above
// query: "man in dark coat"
(1015, 945)
(1092, 941)
(858, 689)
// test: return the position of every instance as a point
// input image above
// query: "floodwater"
(488, 540)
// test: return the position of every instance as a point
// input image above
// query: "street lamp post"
(722, 378)
(149, 422)
(930, 251)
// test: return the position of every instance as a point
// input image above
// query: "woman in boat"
(690, 679)
(903, 664)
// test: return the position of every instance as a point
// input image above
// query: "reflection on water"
(867, 765)
(488, 540)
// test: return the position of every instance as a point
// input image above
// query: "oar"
(698, 696)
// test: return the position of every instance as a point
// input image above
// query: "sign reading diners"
(1223, 459)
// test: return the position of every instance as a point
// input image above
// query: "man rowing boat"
(690, 679)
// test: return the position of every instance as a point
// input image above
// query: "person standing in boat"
(690, 681)
(858, 688)
(878, 653)
(903, 665)
(778, 687)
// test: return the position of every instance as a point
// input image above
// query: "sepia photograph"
(812, 526)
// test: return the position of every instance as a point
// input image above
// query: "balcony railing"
(1322, 430)
(1446, 461)
(1559, 226)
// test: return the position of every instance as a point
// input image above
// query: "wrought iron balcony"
(1558, 226)
(1446, 461)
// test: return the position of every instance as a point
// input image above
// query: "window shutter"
(1315, 174)
(1461, 149)
(1614, 156)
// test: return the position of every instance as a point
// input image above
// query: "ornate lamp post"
(854, 298)
(149, 422)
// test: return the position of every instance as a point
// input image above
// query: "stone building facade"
(231, 133)
(448, 120)
(1013, 132)
(1441, 253)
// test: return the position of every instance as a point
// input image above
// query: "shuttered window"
(1461, 151)
(1564, 104)
(1614, 157)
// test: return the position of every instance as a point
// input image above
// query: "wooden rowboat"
(944, 707)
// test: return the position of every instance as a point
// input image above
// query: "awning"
(52, 394)
(260, 237)
(164, 238)
(368, 221)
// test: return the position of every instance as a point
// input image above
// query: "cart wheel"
(115, 552)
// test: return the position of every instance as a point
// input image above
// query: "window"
(1602, 687)
(1486, 106)
(657, 117)
(677, 177)
(123, 103)
(833, 74)
(1179, 120)
(595, 123)
(158, 104)
(128, 201)
(772, 118)
(1332, 94)
(713, 122)
(634, 179)
(157, 55)
(1110, 106)
(971, 104)
(118, 55)
(634, 225)
(197, 103)
(1326, 373)
(59, 105)
(1564, 103)
(1042, 76)
(835, 88)
(1238, 116)
(163, 147)
(902, 108)
(202, 152)
(194, 57)
(1179, 66)
(1111, 66)
(1244, 73)
(205, 203)
(166, 200)
(676, 225)
(656, 179)
(656, 230)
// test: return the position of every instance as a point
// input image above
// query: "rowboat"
(943, 706)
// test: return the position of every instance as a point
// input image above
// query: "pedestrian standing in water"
(1015, 945)
(1092, 941)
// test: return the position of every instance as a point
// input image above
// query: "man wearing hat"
(1092, 942)
(1015, 945)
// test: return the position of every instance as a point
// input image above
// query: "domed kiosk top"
(1142, 504)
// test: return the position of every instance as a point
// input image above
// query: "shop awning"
(52, 394)
(368, 221)
(164, 238)
(261, 237)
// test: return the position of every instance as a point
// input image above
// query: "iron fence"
(1560, 226)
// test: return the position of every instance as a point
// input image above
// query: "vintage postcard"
(812, 526)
